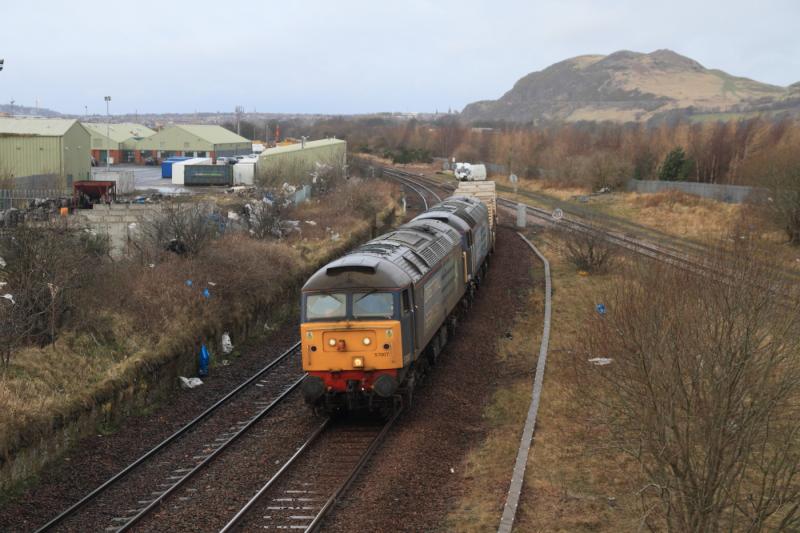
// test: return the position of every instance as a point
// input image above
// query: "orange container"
(64, 211)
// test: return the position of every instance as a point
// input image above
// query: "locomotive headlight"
(358, 362)
(332, 342)
(366, 341)
(388, 333)
(309, 335)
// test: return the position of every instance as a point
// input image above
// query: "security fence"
(732, 194)
(22, 198)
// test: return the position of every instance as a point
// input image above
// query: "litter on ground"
(190, 383)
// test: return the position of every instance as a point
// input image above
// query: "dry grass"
(487, 468)
(571, 484)
(135, 316)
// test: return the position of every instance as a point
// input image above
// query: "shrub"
(45, 265)
(588, 250)
(696, 377)
(180, 228)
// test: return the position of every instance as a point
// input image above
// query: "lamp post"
(108, 132)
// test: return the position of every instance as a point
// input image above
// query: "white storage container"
(177, 168)
(125, 180)
(244, 172)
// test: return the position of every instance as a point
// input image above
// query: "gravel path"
(409, 485)
(94, 459)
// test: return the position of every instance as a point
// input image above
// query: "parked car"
(151, 161)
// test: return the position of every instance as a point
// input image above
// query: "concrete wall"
(119, 221)
(733, 194)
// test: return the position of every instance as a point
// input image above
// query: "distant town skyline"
(356, 56)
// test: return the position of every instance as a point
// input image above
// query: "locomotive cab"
(352, 341)
(356, 332)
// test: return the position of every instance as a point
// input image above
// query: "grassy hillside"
(630, 86)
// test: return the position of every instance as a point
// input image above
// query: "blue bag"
(204, 358)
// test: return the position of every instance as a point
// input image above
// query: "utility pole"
(12, 107)
(86, 112)
(239, 111)
(108, 133)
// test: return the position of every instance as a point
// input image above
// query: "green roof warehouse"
(42, 153)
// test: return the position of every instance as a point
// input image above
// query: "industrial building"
(193, 141)
(296, 162)
(117, 141)
(44, 153)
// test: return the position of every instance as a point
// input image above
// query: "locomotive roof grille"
(378, 248)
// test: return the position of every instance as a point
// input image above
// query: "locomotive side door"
(407, 325)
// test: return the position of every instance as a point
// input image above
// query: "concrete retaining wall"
(733, 194)
(115, 220)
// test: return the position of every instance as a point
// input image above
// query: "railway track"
(409, 181)
(148, 481)
(686, 255)
(307, 486)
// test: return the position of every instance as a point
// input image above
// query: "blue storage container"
(166, 165)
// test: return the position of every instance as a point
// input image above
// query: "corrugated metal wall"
(77, 163)
(298, 164)
(173, 140)
(227, 150)
(22, 156)
(29, 155)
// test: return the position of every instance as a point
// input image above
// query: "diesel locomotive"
(375, 319)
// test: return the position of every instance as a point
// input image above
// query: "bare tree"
(181, 228)
(44, 266)
(587, 249)
(265, 219)
(783, 202)
(698, 378)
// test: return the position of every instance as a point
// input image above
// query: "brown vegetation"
(591, 154)
(589, 250)
(697, 380)
(114, 317)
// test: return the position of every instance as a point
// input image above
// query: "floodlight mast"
(108, 132)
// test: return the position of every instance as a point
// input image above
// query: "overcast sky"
(356, 56)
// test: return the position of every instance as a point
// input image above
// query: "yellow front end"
(351, 345)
